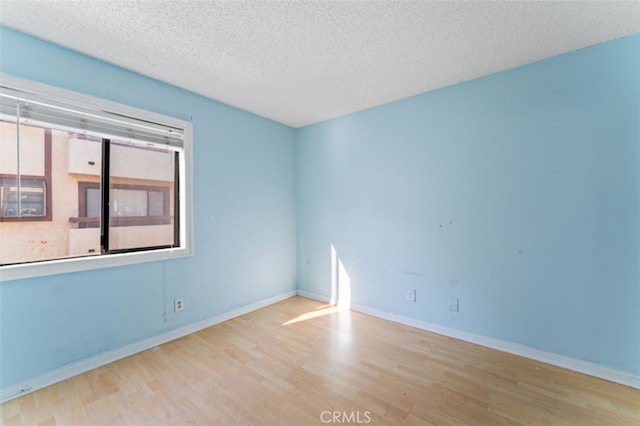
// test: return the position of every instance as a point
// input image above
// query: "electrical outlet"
(178, 305)
(411, 295)
(454, 304)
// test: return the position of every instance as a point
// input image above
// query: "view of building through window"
(51, 201)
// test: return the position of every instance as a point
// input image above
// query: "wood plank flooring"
(300, 362)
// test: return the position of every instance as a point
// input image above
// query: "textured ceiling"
(302, 62)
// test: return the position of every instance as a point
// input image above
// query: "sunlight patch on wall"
(340, 282)
(344, 287)
(334, 276)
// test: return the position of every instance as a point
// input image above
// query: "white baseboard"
(314, 296)
(88, 364)
(569, 363)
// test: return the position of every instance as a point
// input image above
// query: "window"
(25, 200)
(131, 205)
(25, 190)
(90, 184)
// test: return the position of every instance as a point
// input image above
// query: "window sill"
(25, 219)
(94, 222)
(76, 264)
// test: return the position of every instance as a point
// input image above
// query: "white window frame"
(75, 264)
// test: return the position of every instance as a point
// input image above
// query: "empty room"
(319, 212)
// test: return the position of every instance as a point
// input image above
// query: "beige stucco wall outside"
(31, 150)
(70, 157)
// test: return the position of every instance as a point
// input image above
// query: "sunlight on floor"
(316, 313)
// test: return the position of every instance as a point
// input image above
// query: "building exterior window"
(131, 205)
(22, 201)
(82, 182)
(25, 183)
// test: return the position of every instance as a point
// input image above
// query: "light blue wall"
(245, 227)
(518, 193)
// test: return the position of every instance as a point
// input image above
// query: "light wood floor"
(298, 361)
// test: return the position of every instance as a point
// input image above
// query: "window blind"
(38, 110)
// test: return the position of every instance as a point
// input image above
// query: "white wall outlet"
(454, 304)
(178, 305)
(411, 295)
